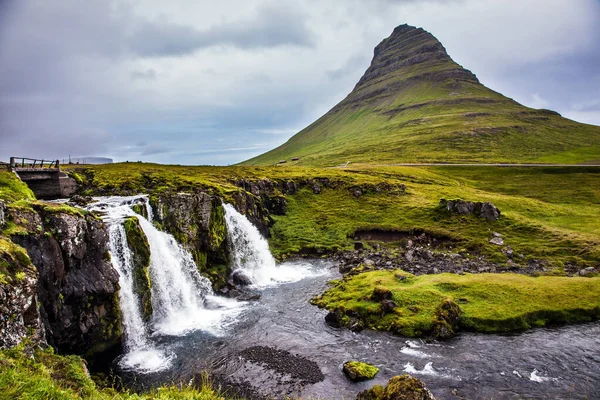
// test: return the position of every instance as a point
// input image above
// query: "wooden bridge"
(43, 177)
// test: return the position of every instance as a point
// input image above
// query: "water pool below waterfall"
(543, 363)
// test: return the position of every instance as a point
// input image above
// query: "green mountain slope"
(415, 104)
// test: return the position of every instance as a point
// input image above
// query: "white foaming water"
(427, 370)
(178, 293)
(411, 350)
(251, 254)
(140, 354)
(536, 377)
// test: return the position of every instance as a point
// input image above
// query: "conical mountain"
(415, 104)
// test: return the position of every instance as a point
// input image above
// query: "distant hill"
(90, 160)
(415, 104)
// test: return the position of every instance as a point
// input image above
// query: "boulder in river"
(240, 278)
(401, 387)
(359, 371)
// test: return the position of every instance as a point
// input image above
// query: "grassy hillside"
(547, 213)
(415, 104)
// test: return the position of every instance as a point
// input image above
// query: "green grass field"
(489, 302)
(548, 213)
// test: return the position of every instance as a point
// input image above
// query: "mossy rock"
(140, 248)
(140, 209)
(402, 387)
(359, 371)
(381, 293)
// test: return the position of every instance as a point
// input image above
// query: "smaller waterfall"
(251, 254)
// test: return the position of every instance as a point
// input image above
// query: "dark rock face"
(484, 210)
(397, 56)
(197, 221)
(402, 387)
(77, 287)
(18, 301)
(140, 249)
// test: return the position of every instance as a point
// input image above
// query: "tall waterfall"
(178, 291)
(251, 254)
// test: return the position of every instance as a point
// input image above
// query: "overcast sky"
(217, 82)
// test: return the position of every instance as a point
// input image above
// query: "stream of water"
(193, 330)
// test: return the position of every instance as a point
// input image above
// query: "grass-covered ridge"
(415, 104)
(489, 302)
(547, 213)
(49, 376)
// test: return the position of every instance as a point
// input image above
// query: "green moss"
(403, 387)
(140, 248)
(481, 302)
(359, 371)
(140, 209)
(13, 189)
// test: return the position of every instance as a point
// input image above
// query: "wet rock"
(358, 371)
(448, 314)
(387, 306)
(381, 293)
(358, 246)
(402, 387)
(239, 278)
(334, 319)
(410, 255)
(355, 325)
(80, 201)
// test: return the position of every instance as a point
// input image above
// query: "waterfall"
(178, 292)
(140, 354)
(251, 253)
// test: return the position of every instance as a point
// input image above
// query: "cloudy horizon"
(190, 82)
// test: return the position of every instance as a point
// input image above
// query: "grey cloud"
(147, 75)
(358, 62)
(274, 25)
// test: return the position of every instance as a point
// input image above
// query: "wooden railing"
(24, 162)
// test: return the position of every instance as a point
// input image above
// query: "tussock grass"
(54, 377)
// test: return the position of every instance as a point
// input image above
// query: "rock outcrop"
(140, 250)
(402, 387)
(77, 286)
(358, 371)
(485, 210)
(197, 221)
(19, 314)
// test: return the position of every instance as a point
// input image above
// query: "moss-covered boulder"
(138, 244)
(359, 371)
(448, 315)
(140, 209)
(402, 387)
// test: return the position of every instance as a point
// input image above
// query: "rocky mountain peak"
(411, 53)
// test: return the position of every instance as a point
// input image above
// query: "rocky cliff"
(74, 283)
